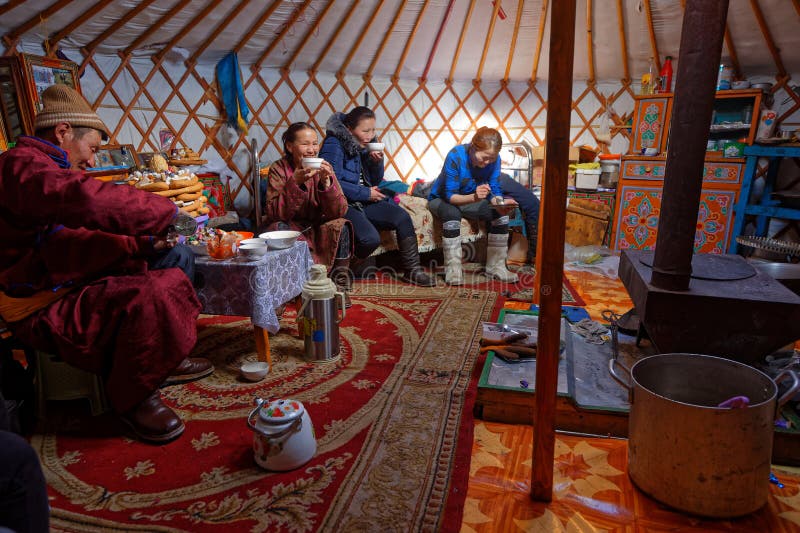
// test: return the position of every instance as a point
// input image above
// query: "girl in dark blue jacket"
(359, 171)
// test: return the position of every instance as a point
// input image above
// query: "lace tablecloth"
(240, 287)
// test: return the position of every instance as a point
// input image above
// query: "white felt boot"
(496, 253)
(453, 274)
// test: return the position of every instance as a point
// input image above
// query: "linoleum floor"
(592, 491)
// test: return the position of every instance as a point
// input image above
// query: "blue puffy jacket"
(347, 158)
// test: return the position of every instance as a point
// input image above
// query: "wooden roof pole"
(438, 38)
(298, 12)
(111, 30)
(737, 68)
(288, 63)
(539, 38)
(51, 43)
(550, 254)
(187, 28)
(623, 42)
(160, 22)
(363, 33)
(460, 41)
(513, 46)
(256, 25)
(762, 24)
(410, 39)
(10, 5)
(335, 36)
(492, 21)
(12, 38)
(589, 40)
(652, 30)
(385, 39)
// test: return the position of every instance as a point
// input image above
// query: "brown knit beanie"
(61, 103)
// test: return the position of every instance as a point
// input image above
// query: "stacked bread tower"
(182, 187)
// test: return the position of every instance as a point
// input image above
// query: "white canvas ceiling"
(403, 38)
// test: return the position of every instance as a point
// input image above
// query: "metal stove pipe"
(698, 63)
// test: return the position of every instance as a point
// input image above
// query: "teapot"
(284, 437)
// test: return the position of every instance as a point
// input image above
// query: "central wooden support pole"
(550, 256)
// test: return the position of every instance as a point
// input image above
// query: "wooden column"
(550, 256)
(698, 63)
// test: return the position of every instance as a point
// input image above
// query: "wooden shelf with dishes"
(638, 203)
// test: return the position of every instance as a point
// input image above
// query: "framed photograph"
(16, 114)
(42, 72)
(116, 156)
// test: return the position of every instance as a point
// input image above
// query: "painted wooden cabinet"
(638, 203)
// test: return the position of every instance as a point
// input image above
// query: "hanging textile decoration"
(229, 78)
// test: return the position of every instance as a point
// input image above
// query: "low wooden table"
(240, 287)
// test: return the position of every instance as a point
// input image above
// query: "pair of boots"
(413, 272)
(496, 254)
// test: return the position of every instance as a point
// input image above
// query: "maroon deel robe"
(303, 207)
(131, 325)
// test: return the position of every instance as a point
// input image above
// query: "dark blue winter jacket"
(348, 159)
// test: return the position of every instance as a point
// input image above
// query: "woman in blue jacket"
(359, 172)
(469, 186)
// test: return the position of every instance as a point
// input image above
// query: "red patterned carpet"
(398, 400)
(394, 428)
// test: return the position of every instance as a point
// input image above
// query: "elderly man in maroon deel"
(74, 270)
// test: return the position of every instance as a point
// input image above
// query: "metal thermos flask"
(318, 318)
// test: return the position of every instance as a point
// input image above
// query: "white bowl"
(312, 162)
(278, 240)
(743, 84)
(254, 371)
(253, 251)
(256, 241)
(375, 147)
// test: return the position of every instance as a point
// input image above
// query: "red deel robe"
(59, 228)
(307, 206)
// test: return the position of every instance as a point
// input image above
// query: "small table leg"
(262, 345)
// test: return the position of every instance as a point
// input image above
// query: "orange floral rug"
(592, 491)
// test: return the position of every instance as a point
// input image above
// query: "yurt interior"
(400, 265)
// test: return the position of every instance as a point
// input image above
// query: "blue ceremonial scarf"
(229, 78)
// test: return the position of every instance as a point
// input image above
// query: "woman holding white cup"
(302, 191)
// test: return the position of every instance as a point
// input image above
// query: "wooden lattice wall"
(419, 120)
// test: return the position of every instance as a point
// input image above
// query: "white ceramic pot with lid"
(284, 436)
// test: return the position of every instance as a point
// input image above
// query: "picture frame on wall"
(42, 72)
(23, 78)
(116, 156)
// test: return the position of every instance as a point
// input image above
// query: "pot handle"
(295, 426)
(792, 390)
(253, 413)
(628, 384)
(342, 307)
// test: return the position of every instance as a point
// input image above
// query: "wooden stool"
(57, 380)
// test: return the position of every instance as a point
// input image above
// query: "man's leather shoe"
(152, 421)
(190, 369)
